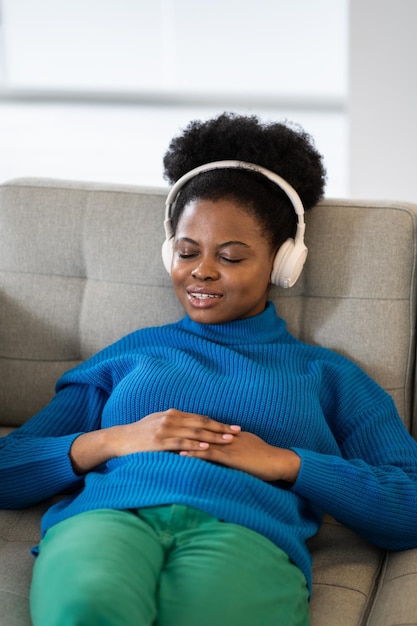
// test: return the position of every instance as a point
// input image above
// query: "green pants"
(165, 566)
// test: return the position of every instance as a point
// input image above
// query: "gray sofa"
(80, 266)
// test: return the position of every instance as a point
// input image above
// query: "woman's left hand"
(251, 454)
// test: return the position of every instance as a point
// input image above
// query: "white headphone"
(291, 256)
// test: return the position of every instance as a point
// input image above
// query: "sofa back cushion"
(80, 266)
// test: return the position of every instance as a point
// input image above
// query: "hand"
(170, 430)
(249, 453)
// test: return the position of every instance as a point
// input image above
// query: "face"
(222, 262)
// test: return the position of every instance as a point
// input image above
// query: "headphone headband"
(244, 165)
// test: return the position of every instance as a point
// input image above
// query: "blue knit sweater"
(358, 463)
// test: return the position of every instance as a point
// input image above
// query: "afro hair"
(283, 148)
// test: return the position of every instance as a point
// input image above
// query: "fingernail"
(235, 427)
(227, 437)
(203, 445)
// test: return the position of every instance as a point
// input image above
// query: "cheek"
(176, 279)
(255, 284)
(179, 279)
(262, 272)
(177, 270)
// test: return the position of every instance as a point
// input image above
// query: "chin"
(210, 316)
(201, 317)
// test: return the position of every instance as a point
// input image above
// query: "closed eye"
(231, 260)
(187, 255)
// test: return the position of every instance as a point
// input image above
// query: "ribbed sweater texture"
(358, 463)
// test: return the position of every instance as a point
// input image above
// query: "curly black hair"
(283, 148)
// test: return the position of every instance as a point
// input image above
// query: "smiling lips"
(201, 298)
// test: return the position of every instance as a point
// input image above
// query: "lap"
(231, 575)
(170, 566)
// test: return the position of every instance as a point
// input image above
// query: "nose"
(205, 270)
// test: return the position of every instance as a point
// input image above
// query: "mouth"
(203, 299)
(203, 296)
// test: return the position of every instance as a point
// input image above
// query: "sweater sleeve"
(372, 486)
(34, 459)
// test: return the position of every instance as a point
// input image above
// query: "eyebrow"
(222, 245)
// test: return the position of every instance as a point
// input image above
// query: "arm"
(372, 488)
(376, 497)
(34, 459)
(249, 453)
(64, 441)
(170, 430)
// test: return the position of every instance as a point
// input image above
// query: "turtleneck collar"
(262, 328)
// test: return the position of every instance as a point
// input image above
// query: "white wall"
(383, 99)
(291, 48)
(122, 143)
(95, 89)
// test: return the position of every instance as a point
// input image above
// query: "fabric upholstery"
(80, 266)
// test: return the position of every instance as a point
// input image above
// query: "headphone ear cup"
(167, 253)
(288, 263)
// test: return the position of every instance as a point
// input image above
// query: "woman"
(201, 454)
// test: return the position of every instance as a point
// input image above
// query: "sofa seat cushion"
(346, 571)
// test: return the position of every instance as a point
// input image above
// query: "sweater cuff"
(63, 459)
(52, 468)
(316, 478)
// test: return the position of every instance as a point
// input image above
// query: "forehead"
(219, 218)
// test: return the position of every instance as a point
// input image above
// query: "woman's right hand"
(170, 430)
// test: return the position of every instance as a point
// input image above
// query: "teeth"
(202, 296)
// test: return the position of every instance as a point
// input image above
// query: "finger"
(208, 423)
(210, 436)
(196, 441)
(196, 426)
(212, 453)
(218, 454)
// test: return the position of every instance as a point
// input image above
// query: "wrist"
(90, 449)
(288, 465)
